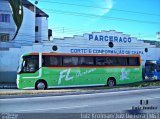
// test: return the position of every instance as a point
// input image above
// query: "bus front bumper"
(151, 78)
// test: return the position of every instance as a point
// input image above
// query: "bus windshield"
(158, 68)
(29, 64)
(150, 67)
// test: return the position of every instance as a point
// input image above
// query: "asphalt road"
(106, 102)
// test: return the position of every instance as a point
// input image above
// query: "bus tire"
(41, 85)
(111, 82)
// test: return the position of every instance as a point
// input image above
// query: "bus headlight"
(155, 77)
(146, 77)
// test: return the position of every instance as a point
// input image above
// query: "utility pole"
(158, 35)
(35, 3)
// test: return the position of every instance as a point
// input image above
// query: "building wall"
(26, 34)
(42, 34)
(7, 27)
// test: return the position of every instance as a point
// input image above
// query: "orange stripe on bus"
(93, 67)
(69, 54)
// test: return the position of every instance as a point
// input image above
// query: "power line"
(99, 16)
(89, 6)
(70, 30)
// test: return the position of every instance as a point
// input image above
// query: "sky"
(137, 18)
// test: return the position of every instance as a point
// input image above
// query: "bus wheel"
(41, 85)
(111, 82)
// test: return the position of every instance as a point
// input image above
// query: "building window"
(4, 17)
(146, 49)
(4, 37)
(36, 29)
(110, 44)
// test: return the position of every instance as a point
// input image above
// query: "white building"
(104, 42)
(33, 29)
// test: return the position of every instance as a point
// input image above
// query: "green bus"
(59, 70)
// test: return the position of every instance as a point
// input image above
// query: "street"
(106, 102)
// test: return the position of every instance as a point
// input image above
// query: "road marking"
(31, 110)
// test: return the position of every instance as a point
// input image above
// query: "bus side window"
(82, 61)
(70, 61)
(109, 61)
(86, 61)
(121, 61)
(74, 61)
(43, 61)
(133, 61)
(104, 61)
(51, 61)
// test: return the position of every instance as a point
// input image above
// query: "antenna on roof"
(158, 35)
